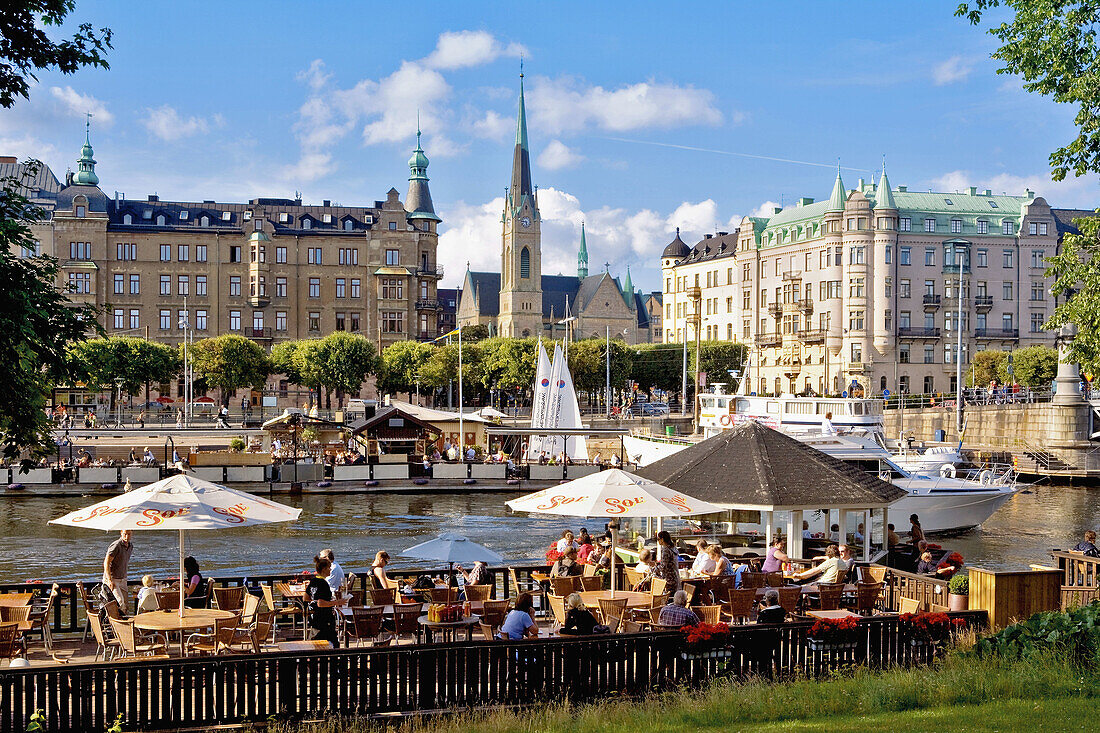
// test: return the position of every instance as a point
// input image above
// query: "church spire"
(521, 157)
(628, 289)
(582, 257)
(419, 200)
(85, 174)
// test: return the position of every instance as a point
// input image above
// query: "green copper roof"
(418, 202)
(838, 197)
(258, 236)
(521, 118)
(582, 257)
(418, 163)
(628, 289)
(85, 174)
(884, 197)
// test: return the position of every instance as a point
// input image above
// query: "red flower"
(702, 636)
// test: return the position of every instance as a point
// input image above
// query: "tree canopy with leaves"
(137, 362)
(400, 365)
(230, 362)
(1076, 275)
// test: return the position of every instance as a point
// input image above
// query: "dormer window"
(307, 223)
(348, 225)
(227, 215)
(80, 211)
(204, 221)
(127, 219)
(258, 225)
(284, 218)
(147, 214)
(248, 216)
(183, 215)
(161, 220)
(326, 218)
(949, 202)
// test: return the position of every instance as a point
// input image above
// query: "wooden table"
(634, 599)
(448, 627)
(833, 614)
(303, 646)
(193, 619)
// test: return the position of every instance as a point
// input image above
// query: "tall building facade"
(270, 269)
(870, 287)
(522, 302)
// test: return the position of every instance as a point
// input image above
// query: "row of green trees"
(1032, 366)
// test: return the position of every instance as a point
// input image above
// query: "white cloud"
(767, 209)
(166, 123)
(1069, 193)
(388, 107)
(463, 49)
(566, 104)
(954, 69)
(493, 126)
(76, 104)
(558, 155)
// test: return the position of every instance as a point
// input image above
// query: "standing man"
(115, 565)
(336, 574)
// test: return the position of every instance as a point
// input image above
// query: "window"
(393, 226)
(307, 223)
(524, 261)
(729, 305)
(355, 287)
(119, 318)
(888, 254)
(349, 224)
(929, 256)
(200, 320)
(135, 284)
(929, 355)
(929, 225)
(235, 285)
(341, 321)
(1006, 321)
(393, 256)
(856, 287)
(349, 256)
(1037, 320)
(313, 256)
(353, 322)
(315, 287)
(905, 288)
(1006, 258)
(80, 250)
(982, 289)
(120, 284)
(125, 252)
(200, 253)
(1007, 227)
(951, 321)
(983, 258)
(165, 320)
(280, 287)
(280, 320)
(956, 226)
(234, 320)
(1006, 290)
(905, 224)
(856, 255)
(857, 353)
(165, 253)
(200, 285)
(884, 222)
(905, 319)
(983, 226)
(341, 287)
(1032, 228)
(903, 353)
(135, 318)
(183, 285)
(204, 221)
(855, 320)
(929, 287)
(906, 257)
(1038, 292)
(280, 255)
(393, 321)
(234, 254)
(980, 321)
(888, 320)
(745, 272)
(127, 219)
(182, 253)
(165, 284)
(929, 320)
(1037, 257)
(257, 321)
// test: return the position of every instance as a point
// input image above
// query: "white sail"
(539, 405)
(551, 444)
(576, 446)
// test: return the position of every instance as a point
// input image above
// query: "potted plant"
(237, 445)
(833, 635)
(705, 641)
(958, 592)
(929, 631)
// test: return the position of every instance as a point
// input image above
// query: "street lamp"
(118, 401)
(188, 363)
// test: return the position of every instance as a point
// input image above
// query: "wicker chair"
(221, 639)
(291, 611)
(657, 587)
(740, 602)
(709, 614)
(9, 641)
(909, 605)
(251, 637)
(228, 599)
(633, 577)
(829, 596)
(106, 644)
(493, 612)
(790, 597)
(442, 595)
(478, 592)
(565, 586)
(630, 627)
(872, 574)
(168, 600)
(249, 606)
(40, 617)
(380, 597)
(775, 580)
(557, 607)
(589, 571)
(132, 643)
(612, 610)
(517, 587)
(867, 595)
(405, 617)
(487, 631)
(753, 580)
(592, 582)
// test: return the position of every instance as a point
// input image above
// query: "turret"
(85, 173)
(419, 201)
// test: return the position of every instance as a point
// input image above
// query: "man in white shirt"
(827, 425)
(704, 564)
(832, 570)
(336, 574)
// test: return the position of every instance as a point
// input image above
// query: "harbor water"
(358, 525)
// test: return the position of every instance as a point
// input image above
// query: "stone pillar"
(1067, 385)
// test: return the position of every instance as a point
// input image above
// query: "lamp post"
(188, 363)
(118, 401)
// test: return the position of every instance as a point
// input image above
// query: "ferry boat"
(944, 500)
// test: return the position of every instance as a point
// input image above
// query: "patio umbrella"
(204, 400)
(613, 494)
(452, 548)
(182, 503)
(165, 400)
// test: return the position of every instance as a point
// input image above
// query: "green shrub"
(959, 584)
(236, 445)
(1075, 632)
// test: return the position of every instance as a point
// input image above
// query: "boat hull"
(951, 512)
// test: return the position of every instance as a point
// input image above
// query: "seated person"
(194, 592)
(645, 561)
(567, 565)
(771, 612)
(892, 538)
(578, 619)
(585, 549)
(677, 613)
(478, 575)
(565, 541)
(1088, 546)
(925, 566)
(520, 621)
(147, 596)
(831, 570)
(704, 561)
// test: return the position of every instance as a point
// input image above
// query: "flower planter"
(957, 602)
(711, 654)
(823, 645)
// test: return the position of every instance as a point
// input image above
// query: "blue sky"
(230, 101)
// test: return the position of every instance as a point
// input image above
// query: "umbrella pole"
(181, 571)
(614, 543)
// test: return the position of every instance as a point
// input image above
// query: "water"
(357, 526)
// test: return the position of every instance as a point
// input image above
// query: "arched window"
(778, 386)
(127, 219)
(204, 221)
(526, 332)
(525, 263)
(348, 224)
(882, 384)
(307, 223)
(160, 220)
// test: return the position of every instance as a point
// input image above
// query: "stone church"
(522, 302)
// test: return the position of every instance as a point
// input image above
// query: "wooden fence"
(1080, 578)
(163, 694)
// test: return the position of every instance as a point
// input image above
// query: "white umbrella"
(613, 493)
(181, 502)
(452, 548)
(491, 413)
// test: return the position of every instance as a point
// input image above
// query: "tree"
(1052, 45)
(230, 362)
(587, 362)
(137, 362)
(507, 363)
(986, 367)
(718, 358)
(659, 366)
(25, 48)
(1034, 366)
(347, 360)
(401, 363)
(284, 360)
(1076, 273)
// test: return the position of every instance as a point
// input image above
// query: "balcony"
(258, 333)
(792, 275)
(1003, 334)
(806, 305)
(812, 336)
(259, 301)
(428, 304)
(918, 333)
(695, 293)
(858, 367)
(983, 302)
(435, 271)
(931, 300)
(775, 309)
(768, 339)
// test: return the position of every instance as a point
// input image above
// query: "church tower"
(521, 250)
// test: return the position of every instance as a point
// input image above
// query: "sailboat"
(555, 406)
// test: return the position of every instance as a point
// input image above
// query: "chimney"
(707, 236)
(973, 190)
(805, 201)
(8, 160)
(1030, 194)
(988, 192)
(154, 197)
(326, 202)
(902, 189)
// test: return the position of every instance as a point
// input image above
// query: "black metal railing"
(997, 333)
(910, 332)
